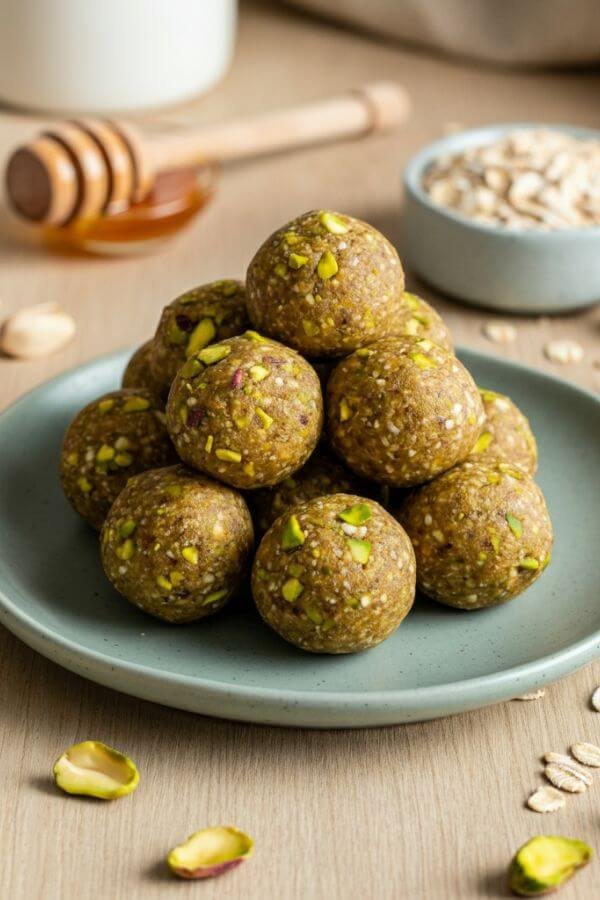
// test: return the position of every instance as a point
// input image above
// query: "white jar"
(112, 55)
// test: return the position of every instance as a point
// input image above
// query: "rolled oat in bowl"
(530, 178)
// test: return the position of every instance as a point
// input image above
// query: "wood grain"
(431, 810)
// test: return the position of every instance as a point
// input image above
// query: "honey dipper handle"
(374, 107)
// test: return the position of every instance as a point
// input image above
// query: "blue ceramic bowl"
(490, 265)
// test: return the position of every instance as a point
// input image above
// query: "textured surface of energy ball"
(322, 474)
(324, 284)
(202, 316)
(138, 373)
(114, 437)
(247, 411)
(506, 433)
(402, 411)
(414, 317)
(481, 534)
(177, 544)
(334, 575)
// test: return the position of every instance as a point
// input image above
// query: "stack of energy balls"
(222, 412)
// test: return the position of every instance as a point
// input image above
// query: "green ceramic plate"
(53, 594)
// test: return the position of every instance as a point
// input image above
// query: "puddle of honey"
(175, 199)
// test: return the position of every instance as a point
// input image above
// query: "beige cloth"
(512, 32)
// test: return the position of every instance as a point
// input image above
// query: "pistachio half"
(546, 862)
(210, 852)
(95, 770)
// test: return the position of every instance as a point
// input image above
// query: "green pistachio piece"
(209, 443)
(546, 560)
(204, 332)
(105, 454)
(84, 485)
(175, 335)
(507, 469)
(190, 554)
(352, 602)
(72, 459)
(214, 354)
(106, 405)
(360, 550)
(327, 266)
(495, 541)
(191, 368)
(228, 455)
(123, 459)
(258, 373)
(122, 443)
(216, 595)
(229, 288)
(364, 352)
(296, 260)
(529, 562)
(546, 862)
(309, 327)
(483, 442)
(176, 577)
(255, 336)
(411, 300)
(281, 269)
(291, 590)
(514, 524)
(127, 528)
(356, 515)
(314, 615)
(264, 417)
(292, 535)
(422, 361)
(296, 570)
(136, 404)
(488, 396)
(345, 410)
(333, 223)
(174, 490)
(126, 550)
(291, 238)
(164, 583)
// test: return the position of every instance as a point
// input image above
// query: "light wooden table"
(430, 810)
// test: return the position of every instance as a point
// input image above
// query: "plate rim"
(396, 703)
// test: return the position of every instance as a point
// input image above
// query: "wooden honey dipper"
(82, 169)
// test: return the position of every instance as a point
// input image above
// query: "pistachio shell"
(93, 769)
(210, 852)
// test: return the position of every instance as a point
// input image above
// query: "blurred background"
(173, 67)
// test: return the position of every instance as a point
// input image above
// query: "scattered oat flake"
(596, 699)
(564, 780)
(569, 765)
(499, 332)
(546, 799)
(588, 754)
(564, 351)
(534, 695)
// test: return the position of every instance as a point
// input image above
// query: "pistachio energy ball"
(248, 411)
(402, 410)
(322, 474)
(138, 374)
(109, 440)
(481, 534)
(417, 318)
(506, 433)
(202, 316)
(325, 284)
(334, 575)
(177, 544)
